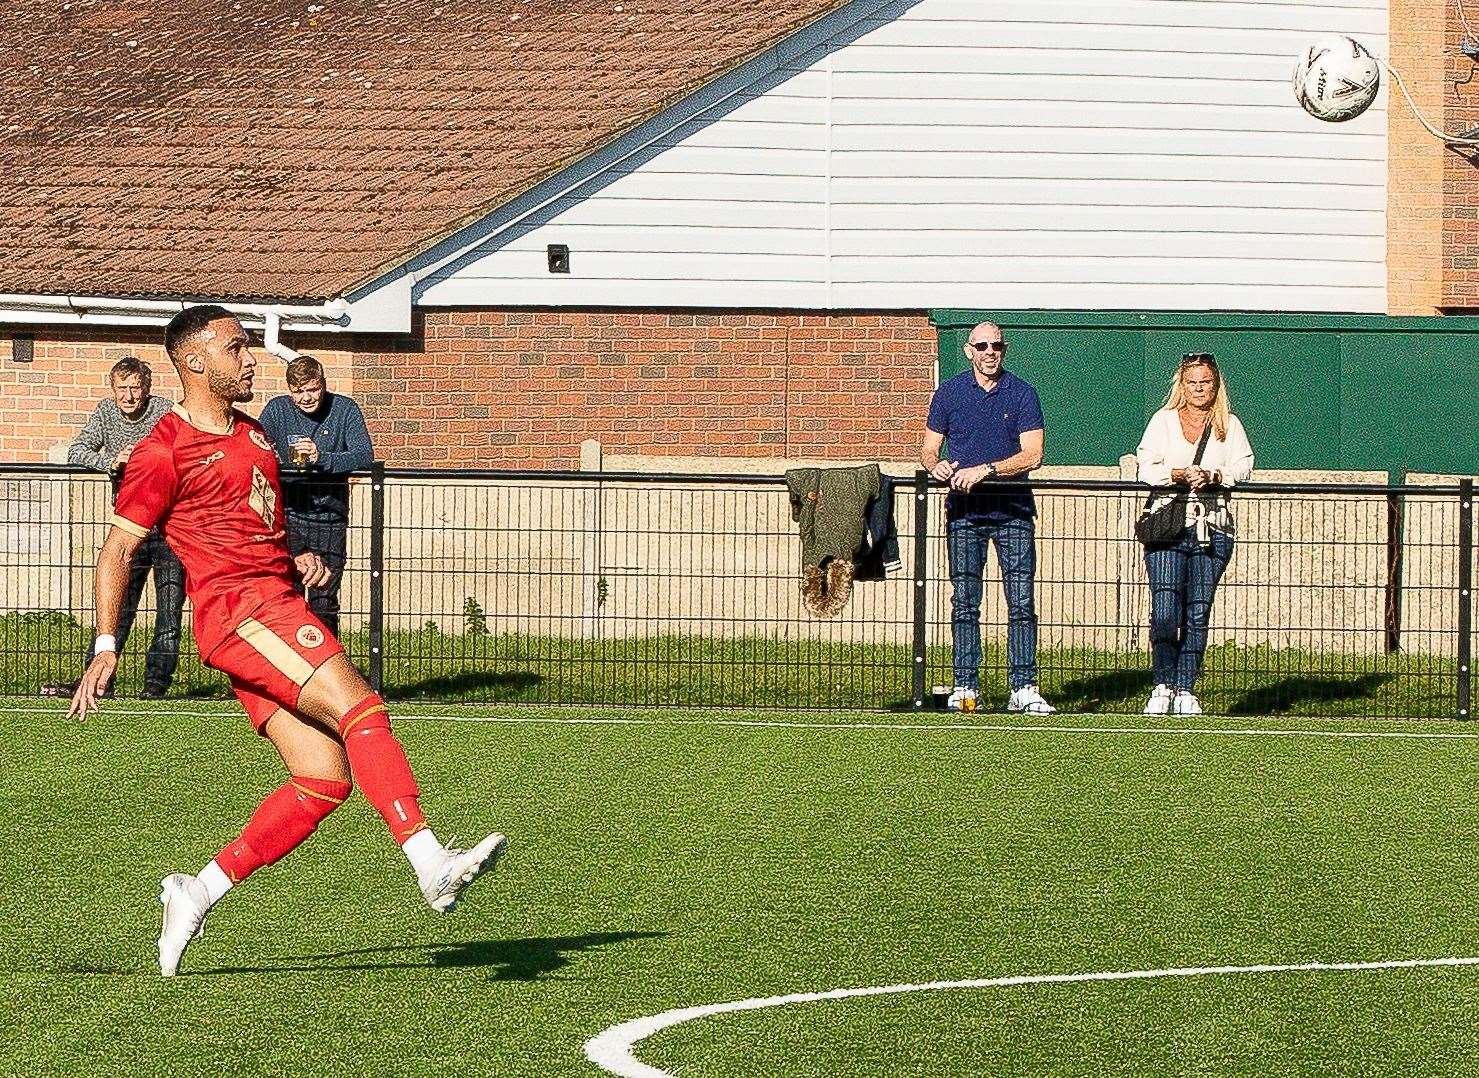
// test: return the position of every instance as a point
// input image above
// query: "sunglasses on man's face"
(989, 346)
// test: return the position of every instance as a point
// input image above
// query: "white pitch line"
(611, 1049)
(785, 724)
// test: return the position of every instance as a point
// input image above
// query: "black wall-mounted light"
(558, 257)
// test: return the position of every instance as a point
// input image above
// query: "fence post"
(1465, 593)
(1396, 514)
(921, 570)
(377, 575)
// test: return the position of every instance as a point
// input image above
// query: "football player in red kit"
(208, 475)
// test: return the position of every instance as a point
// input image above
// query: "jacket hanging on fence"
(879, 554)
(830, 505)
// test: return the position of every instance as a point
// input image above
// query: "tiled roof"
(294, 150)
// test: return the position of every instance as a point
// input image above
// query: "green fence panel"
(1315, 391)
(1409, 400)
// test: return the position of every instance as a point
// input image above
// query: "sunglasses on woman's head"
(1194, 358)
(989, 346)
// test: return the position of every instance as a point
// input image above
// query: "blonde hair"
(1221, 405)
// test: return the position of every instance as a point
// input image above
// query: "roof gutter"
(273, 318)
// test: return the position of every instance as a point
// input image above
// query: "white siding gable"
(990, 153)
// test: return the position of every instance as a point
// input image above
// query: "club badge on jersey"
(263, 499)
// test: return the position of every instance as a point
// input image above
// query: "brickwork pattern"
(523, 388)
(44, 403)
(1460, 174)
(1415, 160)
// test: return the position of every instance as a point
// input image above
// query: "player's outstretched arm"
(112, 580)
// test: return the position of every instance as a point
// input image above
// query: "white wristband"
(104, 642)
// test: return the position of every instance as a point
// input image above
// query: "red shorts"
(271, 656)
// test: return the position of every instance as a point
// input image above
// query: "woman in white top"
(1184, 574)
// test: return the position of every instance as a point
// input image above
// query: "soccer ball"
(1336, 79)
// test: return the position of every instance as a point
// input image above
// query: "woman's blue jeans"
(1016, 553)
(1183, 580)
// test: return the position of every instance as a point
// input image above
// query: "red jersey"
(219, 501)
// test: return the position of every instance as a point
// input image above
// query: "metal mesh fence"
(683, 590)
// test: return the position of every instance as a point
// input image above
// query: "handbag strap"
(1196, 461)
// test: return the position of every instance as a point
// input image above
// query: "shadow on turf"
(479, 685)
(506, 960)
(1290, 692)
(1111, 690)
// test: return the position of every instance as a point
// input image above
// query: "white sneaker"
(1160, 701)
(1028, 699)
(1186, 704)
(185, 905)
(961, 699)
(459, 868)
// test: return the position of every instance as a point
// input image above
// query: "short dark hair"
(188, 323)
(131, 365)
(303, 370)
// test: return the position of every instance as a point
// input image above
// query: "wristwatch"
(990, 471)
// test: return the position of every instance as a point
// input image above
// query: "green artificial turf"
(668, 859)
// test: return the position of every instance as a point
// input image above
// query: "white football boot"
(1186, 703)
(1160, 701)
(1028, 699)
(185, 905)
(459, 868)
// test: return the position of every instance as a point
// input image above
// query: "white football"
(1336, 79)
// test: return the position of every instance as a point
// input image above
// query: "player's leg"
(318, 783)
(337, 695)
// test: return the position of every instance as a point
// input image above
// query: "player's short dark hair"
(303, 370)
(129, 366)
(188, 323)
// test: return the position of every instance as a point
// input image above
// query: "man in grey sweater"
(104, 444)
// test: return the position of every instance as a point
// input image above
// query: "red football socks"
(380, 768)
(283, 821)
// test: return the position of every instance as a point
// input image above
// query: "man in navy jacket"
(320, 437)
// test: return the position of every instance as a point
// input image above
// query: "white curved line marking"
(788, 724)
(611, 1049)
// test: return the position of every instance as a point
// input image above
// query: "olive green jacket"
(831, 507)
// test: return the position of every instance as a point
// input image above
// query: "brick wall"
(1460, 174)
(45, 402)
(523, 388)
(1415, 169)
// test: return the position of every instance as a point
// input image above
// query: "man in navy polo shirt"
(993, 422)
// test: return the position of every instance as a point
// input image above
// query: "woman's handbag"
(1163, 516)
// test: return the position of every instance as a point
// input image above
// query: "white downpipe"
(271, 337)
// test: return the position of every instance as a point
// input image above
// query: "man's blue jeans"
(1183, 580)
(1016, 554)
